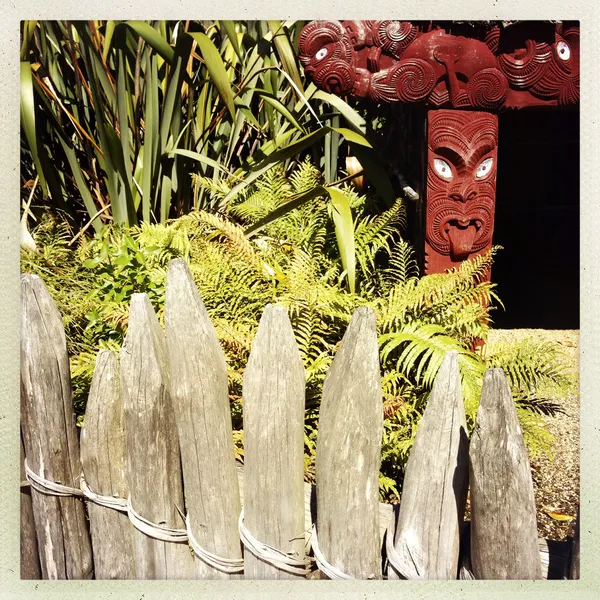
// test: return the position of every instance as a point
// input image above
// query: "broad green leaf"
(280, 108)
(108, 34)
(28, 29)
(201, 158)
(28, 120)
(150, 135)
(285, 51)
(344, 233)
(354, 119)
(153, 38)
(229, 27)
(216, 70)
(353, 136)
(248, 115)
(86, 195)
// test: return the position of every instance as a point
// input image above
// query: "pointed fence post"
(153, 459)
(200, 393)
(50, 436)
(504, 538)
(30, 560)
(349, 455)
(434, 492)
(274, 382)
(104, 463)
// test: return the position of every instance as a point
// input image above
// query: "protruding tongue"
(462, 236)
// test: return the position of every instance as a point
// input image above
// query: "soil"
(556, 481)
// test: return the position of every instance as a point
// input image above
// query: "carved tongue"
(461, 239)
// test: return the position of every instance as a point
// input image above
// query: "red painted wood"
(525, 64)
(462, 154)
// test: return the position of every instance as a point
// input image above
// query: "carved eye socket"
(485, 167)
(442, 168)
(322, 53)
(563, 50)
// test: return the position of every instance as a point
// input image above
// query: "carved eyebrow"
(450, 154)
(479, 152)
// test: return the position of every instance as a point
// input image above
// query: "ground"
(556, 482)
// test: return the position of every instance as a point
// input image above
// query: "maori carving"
(461, 186)
(400, 61)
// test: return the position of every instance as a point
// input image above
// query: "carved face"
(326, 54)
(461, 182)
(548, 71)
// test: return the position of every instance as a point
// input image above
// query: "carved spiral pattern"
(492, 39)
(315, 36)
(413, 80)
(394, 36)
(487, 89)
(335, 77)
(569, 93)
(524, 71)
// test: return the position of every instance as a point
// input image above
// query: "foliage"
(295, 260)
(117, 115)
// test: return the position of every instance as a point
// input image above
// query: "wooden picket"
(427, 537)
(153, 457)
(103, 458)
(50, 436)
(157, 431)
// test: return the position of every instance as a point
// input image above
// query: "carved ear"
(335, 77)
(316, 35)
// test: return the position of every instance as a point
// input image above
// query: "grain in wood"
(434, 491)
(273, 396)
(349, 453)
(199, 388)
(152, 444)
(103, 458)
(504, 540)
(50, 436)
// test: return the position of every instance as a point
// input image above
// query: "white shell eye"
(442, 168)
(563, 50)
(485, 167)
(322, 53)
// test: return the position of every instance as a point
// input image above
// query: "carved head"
(548, 70)
(326, 53)
(461, 181)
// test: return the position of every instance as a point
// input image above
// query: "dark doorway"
(537, 220)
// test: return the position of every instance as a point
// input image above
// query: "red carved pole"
(492, 68)
(462, 154)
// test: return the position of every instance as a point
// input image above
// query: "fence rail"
(157, 477)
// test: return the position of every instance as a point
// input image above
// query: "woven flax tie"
(269, 554)
(327, 568)
(225, 565)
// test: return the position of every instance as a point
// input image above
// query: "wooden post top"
(479, 65)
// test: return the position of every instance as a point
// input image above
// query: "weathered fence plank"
(30, 561)
(504, 540)
(153, 459)
(200, 394)
(103, 460)
(50, 436)
(434, 491)
(349, 454)
(273, 392)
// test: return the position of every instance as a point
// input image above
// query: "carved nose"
(463, 196)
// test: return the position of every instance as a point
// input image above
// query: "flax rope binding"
(265, 552)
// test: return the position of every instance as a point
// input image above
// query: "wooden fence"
(154, 467)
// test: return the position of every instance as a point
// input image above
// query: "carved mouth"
(462, 235)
